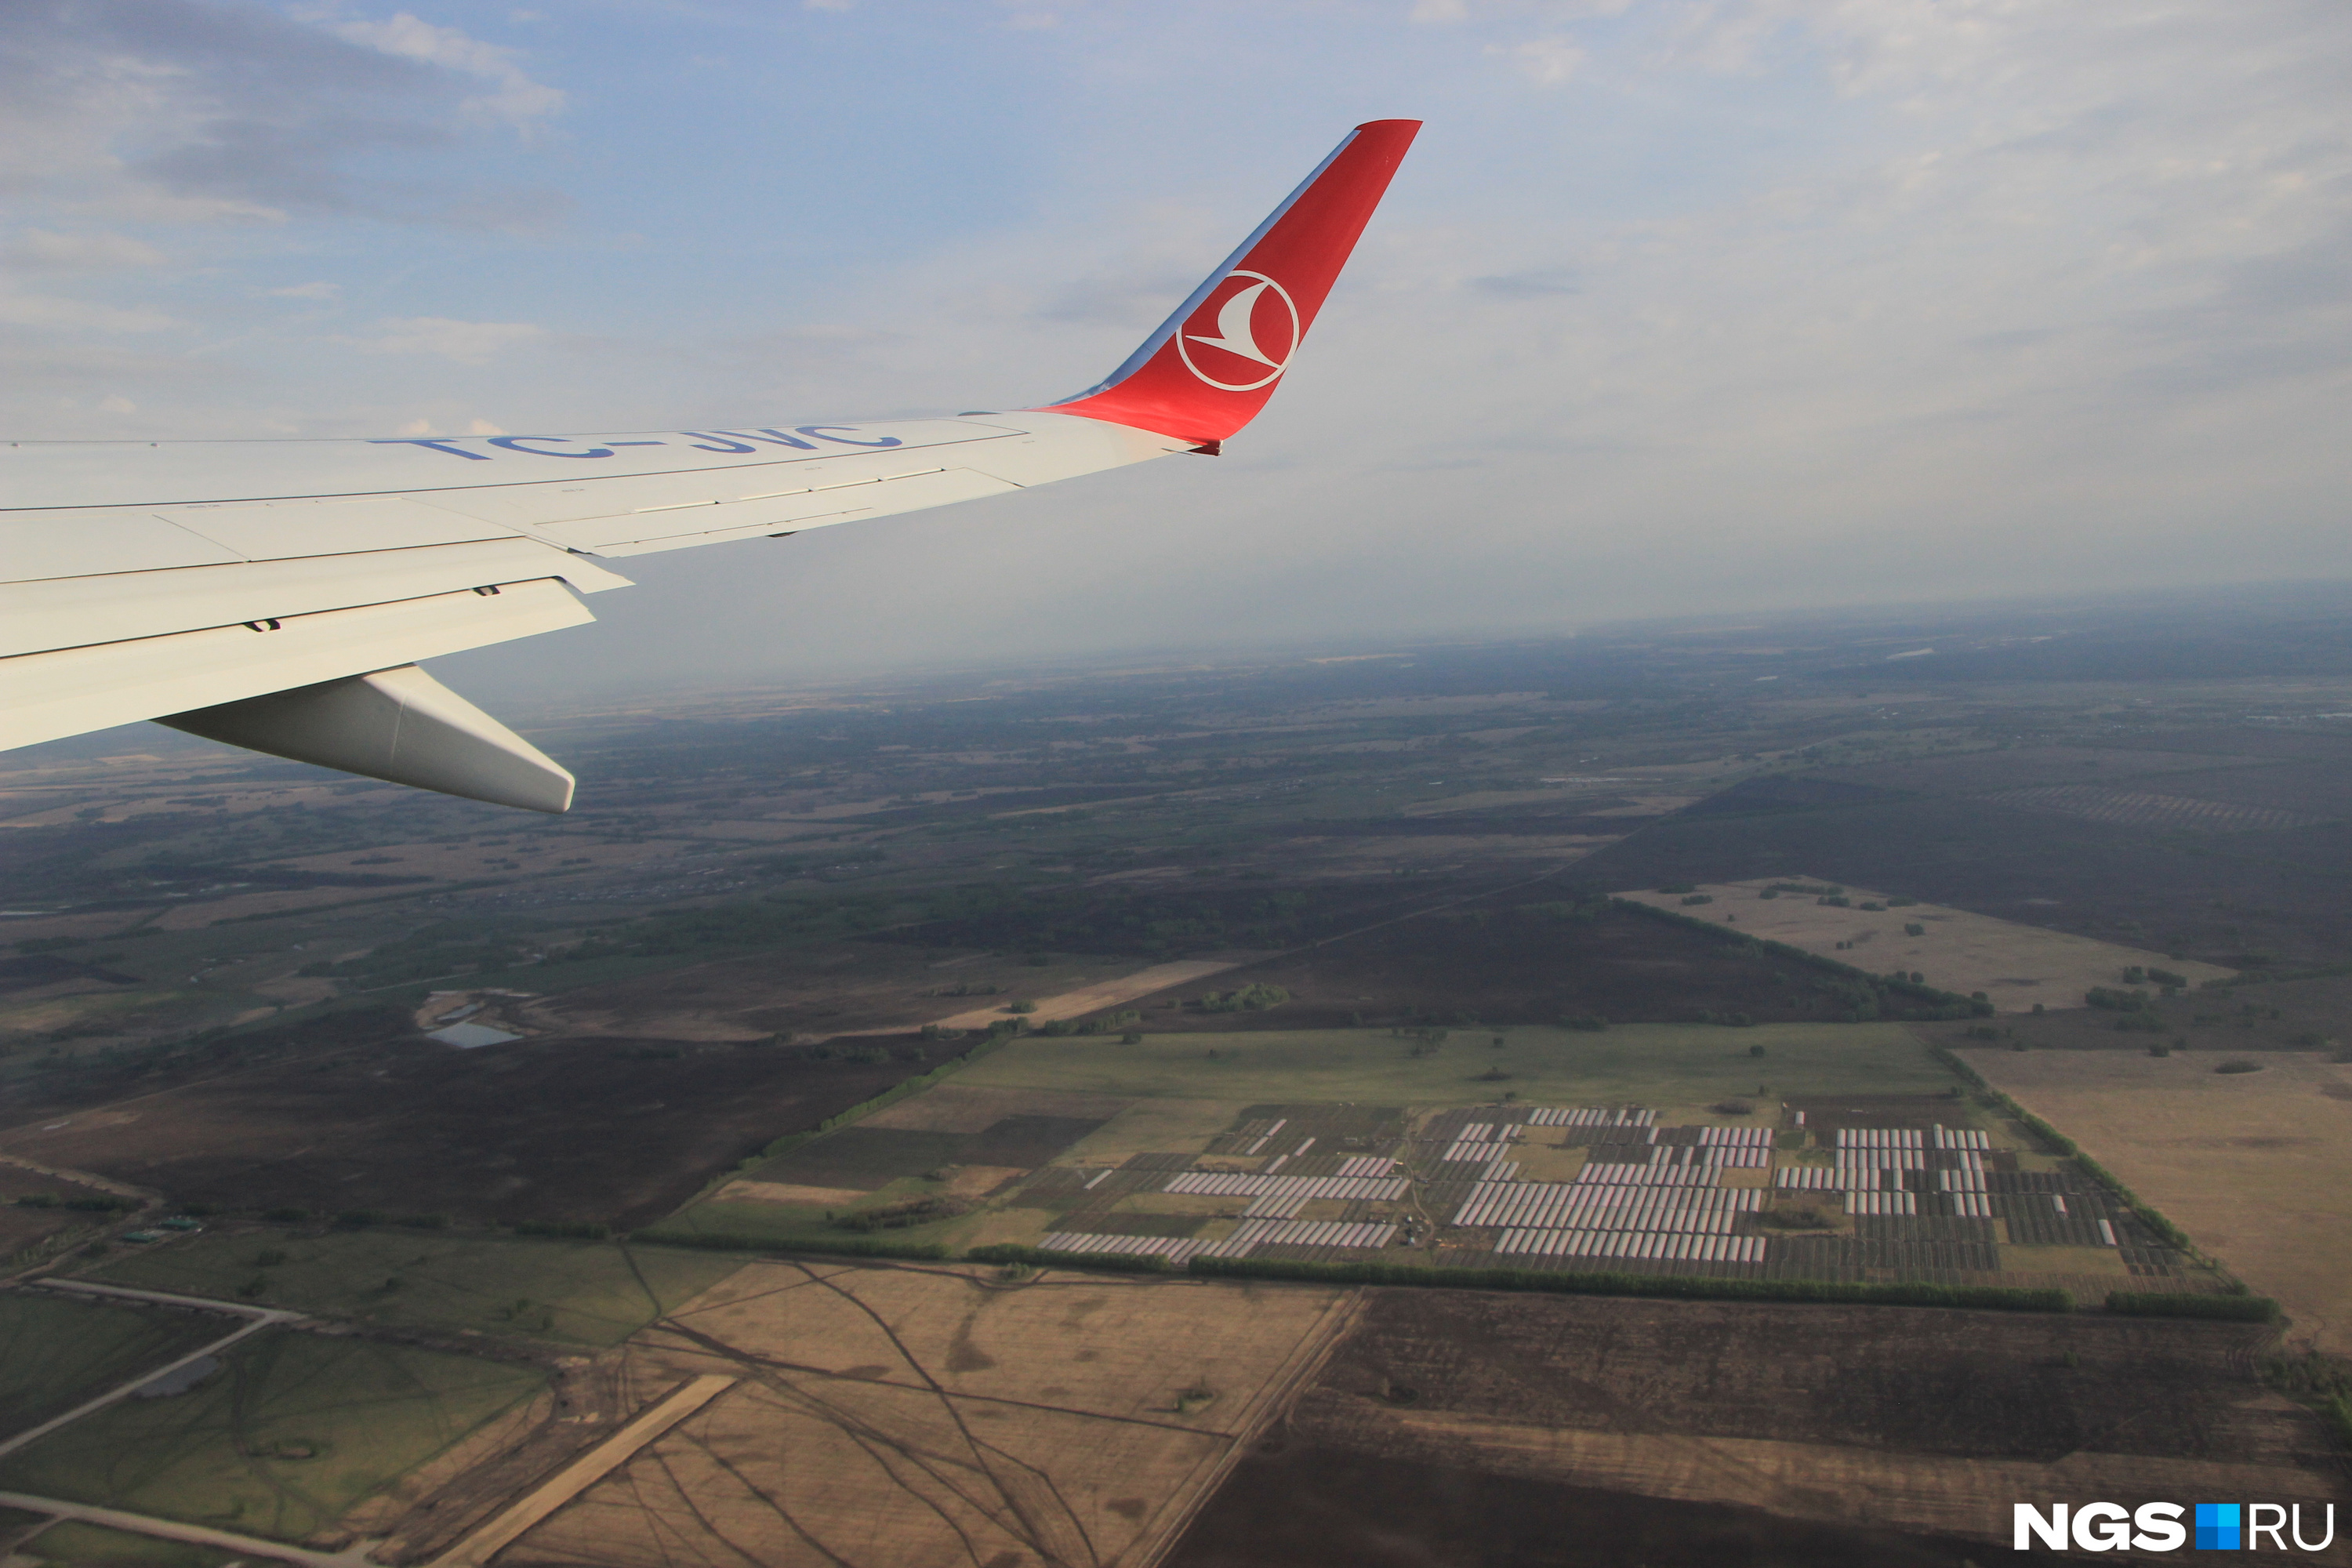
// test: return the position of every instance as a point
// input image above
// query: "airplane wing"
(278, 594)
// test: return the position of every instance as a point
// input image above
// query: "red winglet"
(1213, 364)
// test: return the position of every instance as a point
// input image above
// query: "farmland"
(1359, 915)
(1639, 1148)
(291, 1432)
(1656, 1065)
(54, 1351)
(2015, 965)
(1581, 1433)
(578, 1292)
(545, 1129)
(942, 1415)
(2257, 1166)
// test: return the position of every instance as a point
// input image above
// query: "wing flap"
(45, 696)
(400, 725)
(36, 618)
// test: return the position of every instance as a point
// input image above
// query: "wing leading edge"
(277, 595)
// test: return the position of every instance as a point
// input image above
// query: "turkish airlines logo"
(1255, 333)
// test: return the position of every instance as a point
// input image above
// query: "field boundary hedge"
(735, 1241)
(2267, 976)
(2181, 1304)
(1990, 1298)
(1983, 1298)
(1041, 1256)
(2147, 1212)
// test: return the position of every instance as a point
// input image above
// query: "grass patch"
(96, 1546)
(1154, 1125)
(2063, 1260)
(1650, 1064)
(292, 1432)
(586, 1292)
(56, 1352)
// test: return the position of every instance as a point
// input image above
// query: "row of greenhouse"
(1660, 1244)
(1731, 1157)
(1882, 1202)
(1880, 1138)
(1250, 1185)
(1572, 1116)
(1559, 1204)
(1598, 1173)
(1251, 1235)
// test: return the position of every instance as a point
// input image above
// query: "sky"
(1677, 308)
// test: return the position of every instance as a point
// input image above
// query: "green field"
(585, 1293)
(1193, 1086)
(56, 1352)
(96, 1546)
(293, 1431)
(1666, 1066)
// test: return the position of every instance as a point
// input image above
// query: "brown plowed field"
(2256, 1166)
(1299, 1505)
(1465, 1427)
(946, 1416)
(617, 1131)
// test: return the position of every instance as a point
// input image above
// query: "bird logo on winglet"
(1245, 326)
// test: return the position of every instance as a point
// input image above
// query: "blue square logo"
(2218, 1529)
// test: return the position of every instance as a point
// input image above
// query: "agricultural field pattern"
(1763, 1095)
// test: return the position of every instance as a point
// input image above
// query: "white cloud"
(49, 313)
(37, 249)
(313, 290)
(1547, 62)
(470, 343)
(517, 99)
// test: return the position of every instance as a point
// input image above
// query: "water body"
(471, 1036)
(179, 1380)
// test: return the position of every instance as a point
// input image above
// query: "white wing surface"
(277, 595)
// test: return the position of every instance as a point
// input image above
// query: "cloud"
(229, 112)
(1694, 305)
(469, 342)
(1547, 62)
(313, 290)
(515, 97)
(1540, 283)
(42, 250)
(52, 313)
